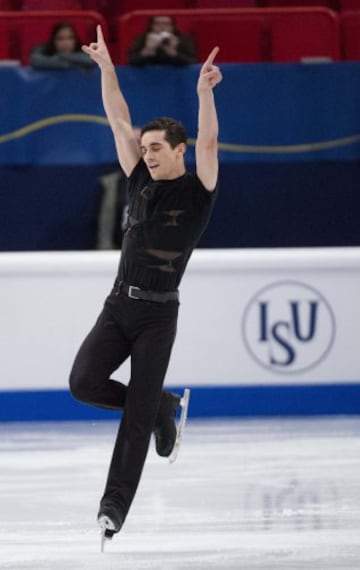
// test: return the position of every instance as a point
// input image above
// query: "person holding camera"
(162, 44)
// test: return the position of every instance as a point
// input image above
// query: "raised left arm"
(206, 148)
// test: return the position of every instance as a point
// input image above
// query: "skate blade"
(184, 404)
(105, 523)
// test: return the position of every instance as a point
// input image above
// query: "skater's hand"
(98, 50)
(210, 74)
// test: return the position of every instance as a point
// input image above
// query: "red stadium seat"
(349, 5)
(300, 34)
(299, 3)
(350, 28)
(225, 4)
(96, 5)
(239, 40)
(132, 5)
(35, 32)
(5, 52)
(9, 4)
(52, 5)
(246, 35)
(132, 25)
(34, 27)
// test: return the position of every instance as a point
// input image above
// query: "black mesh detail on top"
(161, 256)
(173, 217)
(166, 220)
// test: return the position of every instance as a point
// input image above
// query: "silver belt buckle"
(130, 292)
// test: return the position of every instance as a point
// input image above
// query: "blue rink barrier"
(289, 149)
(278, 112)
(275, 327)
(206, 402)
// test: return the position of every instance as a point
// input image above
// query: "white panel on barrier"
(254, 317)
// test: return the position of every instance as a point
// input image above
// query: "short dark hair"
(174, 130)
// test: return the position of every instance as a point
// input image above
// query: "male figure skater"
(168, 211)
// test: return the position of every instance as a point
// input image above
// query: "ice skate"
(184, 404)
(110, 523)
(167, 435)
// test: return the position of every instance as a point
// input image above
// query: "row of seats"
(249, 35)
(244, 35)
(20, 32)
(123, 6)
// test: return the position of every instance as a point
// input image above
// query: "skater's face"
(163, 161)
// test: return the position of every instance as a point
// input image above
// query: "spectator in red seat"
(61, 51)
(162, 44)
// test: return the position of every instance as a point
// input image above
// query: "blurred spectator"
(162, 44)
(113, 214)
(62, 51)
(112, 220)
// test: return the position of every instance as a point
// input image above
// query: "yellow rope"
(244, 149)
(50, 121)
(291, 148)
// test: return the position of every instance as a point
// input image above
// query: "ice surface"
(243, 494)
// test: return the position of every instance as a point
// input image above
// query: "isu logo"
(296, 504)
(288, 327)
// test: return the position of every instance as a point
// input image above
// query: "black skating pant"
(145, 331)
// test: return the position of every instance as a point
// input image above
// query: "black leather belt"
(137, 293)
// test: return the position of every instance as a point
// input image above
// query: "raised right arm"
(115, 106)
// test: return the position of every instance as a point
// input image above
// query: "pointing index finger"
(210, 60)
(100, 36)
